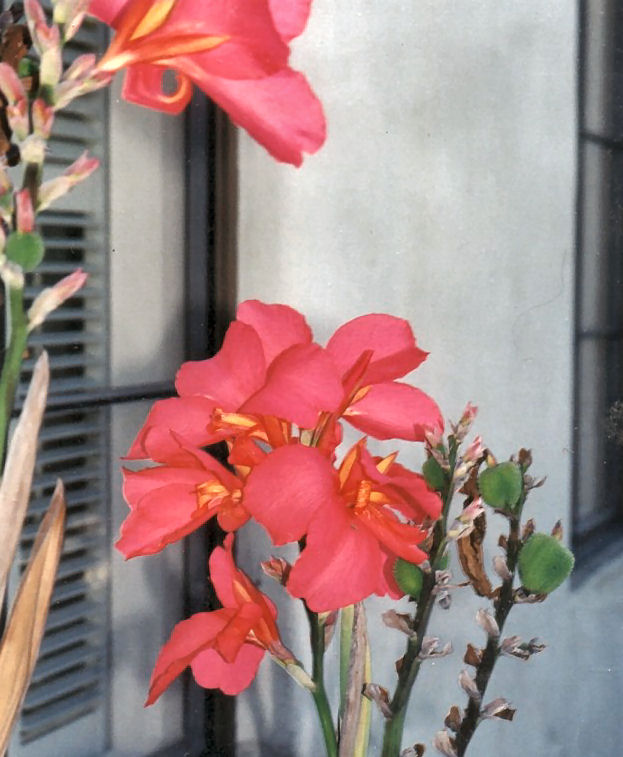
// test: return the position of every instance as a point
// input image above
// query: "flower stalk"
(411, 662)
(317, 635)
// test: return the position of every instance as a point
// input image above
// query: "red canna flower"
(370, 352)
(225, 647)
(169, 502)
(353, 520)
(236, 52)
(267, 375)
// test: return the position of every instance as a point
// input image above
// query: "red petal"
(212, 672)
(398, 538)
(290, 17)
(187, 417)
(284, 491)
(280, 111)
(137, 484)
(255, 48)
(162, 516)
(230, 377)
(223, 571)
(394, 349)
(341, 564)
(106, 10)
(414, 489)
(278, 326)
(395, 411)
(143, 85)
(300, 383)
(188, 639)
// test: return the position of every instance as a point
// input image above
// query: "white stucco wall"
(445, 194)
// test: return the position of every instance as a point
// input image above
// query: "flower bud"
(52, 297)
(42, 118)
(69, 14)
(55, 188)
(17, 116)
(444, 743)
(11, 85)
(488, 623)
(24, 211)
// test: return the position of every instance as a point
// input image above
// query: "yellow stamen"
(363, 495)
(154, 18)
(385, 464)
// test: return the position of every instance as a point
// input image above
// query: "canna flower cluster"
(280, 401)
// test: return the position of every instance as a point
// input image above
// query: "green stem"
(410, 665)
(320, 694)
(17, 336)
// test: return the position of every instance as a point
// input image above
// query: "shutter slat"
(35, 725)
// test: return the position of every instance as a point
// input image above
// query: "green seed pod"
(501, 485)
(409, 577)
(25, 248)
(544, 563)
(433, 474)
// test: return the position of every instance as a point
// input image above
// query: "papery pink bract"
(235, 52)
(225, 647)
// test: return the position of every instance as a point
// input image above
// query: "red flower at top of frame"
(224, 647)
(353, 519)
(267, 371)
(236, 52)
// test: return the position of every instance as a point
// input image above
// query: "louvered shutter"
(65, 708)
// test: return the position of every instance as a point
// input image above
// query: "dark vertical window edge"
(210, 298)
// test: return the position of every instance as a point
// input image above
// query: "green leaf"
(501, 485)
(25, 248)
(434, 475)
(409, 577)
(544, 563)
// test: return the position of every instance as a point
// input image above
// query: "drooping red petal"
(137, 484)
(341, 564)
(285, 490)
(212, 672)
(280, 111)
(278, 326)
(290, 16)
(223, 572)
(230, 377)
(143, 85)
(161, 517)
(398, 538)
(232, 636)
(300, 383)
(187, 640)
(187, 417)
(393, 410)
(394, 349)
(414, 490)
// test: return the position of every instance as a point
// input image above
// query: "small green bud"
(25, 248)
(27, 67)
(544, 563)
(433, 474)
(409, 577)
(501, 485)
